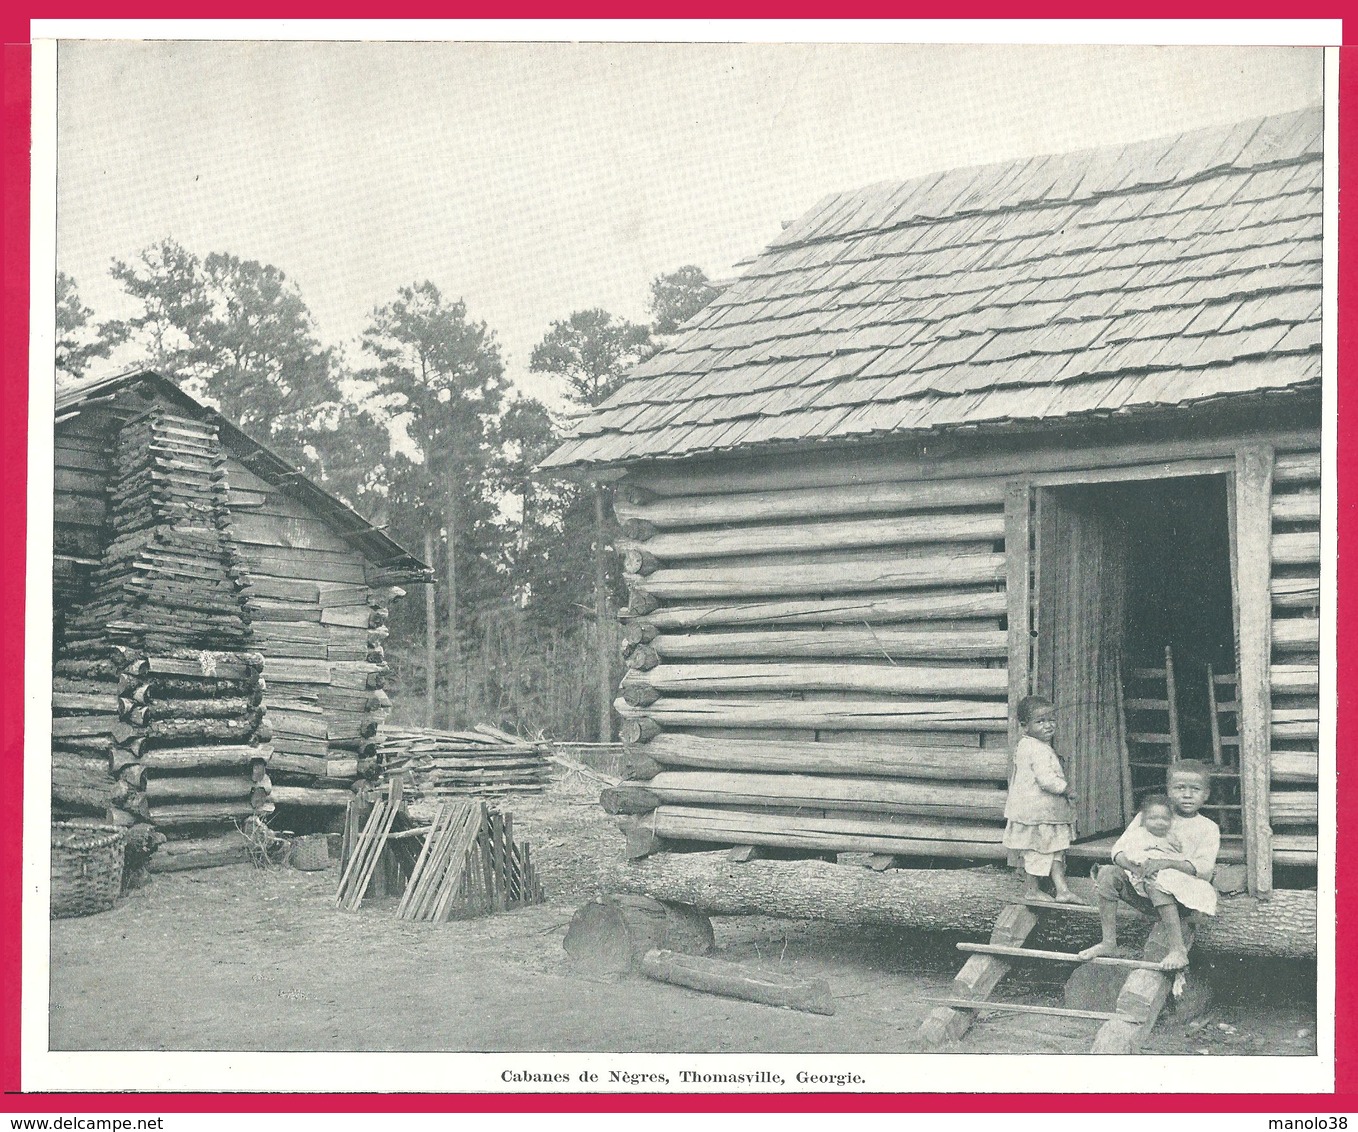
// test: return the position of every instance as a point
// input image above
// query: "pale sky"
(532, 180)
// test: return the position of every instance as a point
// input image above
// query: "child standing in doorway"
(1040, 809)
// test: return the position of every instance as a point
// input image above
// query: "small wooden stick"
(1058, 956)
(1019, 1008)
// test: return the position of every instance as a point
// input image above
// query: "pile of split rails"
(322, 642)
(485, 760)
(157, 714)
(463, 863)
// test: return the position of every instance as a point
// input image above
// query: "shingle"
(1304, 336)
(1050, 286)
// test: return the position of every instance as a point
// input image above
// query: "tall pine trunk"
(430, 633)
(602, 616)
(454, 659)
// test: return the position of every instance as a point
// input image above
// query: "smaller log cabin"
(218, 623)
(1049, 426)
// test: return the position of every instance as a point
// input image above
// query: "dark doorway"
(1125, 571)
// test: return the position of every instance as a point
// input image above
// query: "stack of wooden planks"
(368, 849)
(157, 679)
(482, 761)
(470, 865)
(465, 862)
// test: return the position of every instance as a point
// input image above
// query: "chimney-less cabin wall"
(818, 652)
(83, 465)
(1295, 643)
(318, 624)
(820, 666)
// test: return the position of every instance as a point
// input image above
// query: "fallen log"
(734, 981)
(608, 937)
(966, 900)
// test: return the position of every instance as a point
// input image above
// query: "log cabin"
(218, 621)
(1047, 426)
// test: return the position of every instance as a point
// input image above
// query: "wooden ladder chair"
(1151, 712)
(1121, 1030)
(1224, 806)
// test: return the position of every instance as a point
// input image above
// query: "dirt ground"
(248, 959)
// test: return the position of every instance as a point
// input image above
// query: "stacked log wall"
(320, 626)
(818, 652)
(156, 677)
(818, 667)
(1295, 646)
(313, 609)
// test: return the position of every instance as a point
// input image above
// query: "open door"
(1082, 555)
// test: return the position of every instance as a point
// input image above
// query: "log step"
(1020, 1008)
(1057, 906)
(1057, 956)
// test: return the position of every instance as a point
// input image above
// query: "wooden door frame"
(1019, 591)
(1248, 478)
(1251, 528)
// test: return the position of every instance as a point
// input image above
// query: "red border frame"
(15, 72)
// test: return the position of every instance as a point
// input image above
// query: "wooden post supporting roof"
(1017, 552)
(1253, 536)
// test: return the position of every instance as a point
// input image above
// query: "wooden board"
(817, 713)
(792, 676)
(1252, 540)
(781, 756)
(868, 795)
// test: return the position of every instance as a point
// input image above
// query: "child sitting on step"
(1158, 884)
(1154, 840)
(1039, 810)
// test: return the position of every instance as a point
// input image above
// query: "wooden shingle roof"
(1125, 280)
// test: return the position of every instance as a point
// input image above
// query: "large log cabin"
(1049, 426)
(217, 624)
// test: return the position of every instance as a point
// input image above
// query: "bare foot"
(1097, 950)
(1176, 960)
(1065, 896)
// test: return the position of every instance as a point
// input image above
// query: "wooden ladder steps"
(1057, 906)
(1058, 956)
(985, 1006)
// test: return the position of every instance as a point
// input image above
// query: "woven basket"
(311, 852)
(87, 868)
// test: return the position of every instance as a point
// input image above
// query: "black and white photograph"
(705, 564)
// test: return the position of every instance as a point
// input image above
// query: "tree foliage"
(422, 438)
(79, 342)
(551, 558)
(677, 296)
(592, 351)
(238, 332)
